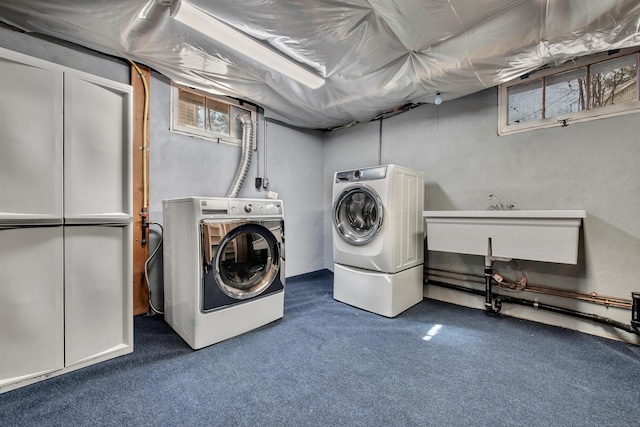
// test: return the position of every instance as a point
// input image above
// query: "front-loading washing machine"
(378, 243)
(223, 266)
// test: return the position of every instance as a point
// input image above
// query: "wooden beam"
(140, 189)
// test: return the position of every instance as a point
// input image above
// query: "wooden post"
(140, 181)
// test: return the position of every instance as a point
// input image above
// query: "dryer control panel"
(239, 208)
(251, 208)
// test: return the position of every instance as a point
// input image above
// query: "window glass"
(190, 109)
(218, 116)
(589, 88)
(248, 262)
(525, 102)
(358, 215)
(614, 82)
(210, 117)
(565, 93)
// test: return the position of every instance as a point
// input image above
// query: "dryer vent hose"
(245, 161)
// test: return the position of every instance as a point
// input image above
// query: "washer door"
(247, 261)
(358, 214)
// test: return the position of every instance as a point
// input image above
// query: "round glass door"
(358, 214)
(247, 261)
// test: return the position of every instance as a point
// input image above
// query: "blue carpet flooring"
(328, 364)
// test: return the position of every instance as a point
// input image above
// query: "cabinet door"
(31, 298)
(30, 141)
(97, 150)
(98, 292)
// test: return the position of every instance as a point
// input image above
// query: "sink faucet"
(499, 206)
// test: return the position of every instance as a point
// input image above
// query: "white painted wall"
(592, 166)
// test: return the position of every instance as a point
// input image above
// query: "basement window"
(209, 117)
(593, 87)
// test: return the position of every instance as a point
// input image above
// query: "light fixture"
(223, 33)
(438, 99)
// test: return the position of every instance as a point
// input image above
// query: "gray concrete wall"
(591, 166)
(295, 160)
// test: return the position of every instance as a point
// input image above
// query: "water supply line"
(634, 328)
(245, 159)
(540, 306)
(145, 161)
(146, 271)
(447, 276)
(493, 306)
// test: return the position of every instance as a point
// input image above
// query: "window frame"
(565, 119)
(203, 133)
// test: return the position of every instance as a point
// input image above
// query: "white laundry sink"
(537, 235)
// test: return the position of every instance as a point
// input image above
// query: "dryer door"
(244, 263)
(358, 214)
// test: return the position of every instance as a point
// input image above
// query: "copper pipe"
(592, 297)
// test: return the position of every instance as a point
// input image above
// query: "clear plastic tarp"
(374, 55)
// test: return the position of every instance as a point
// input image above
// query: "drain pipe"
(540, 306)
(493, 306)
(245, 160)
(607, 301)
(634, 328)
(488, 275)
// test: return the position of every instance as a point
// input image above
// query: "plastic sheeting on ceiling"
(375, 55)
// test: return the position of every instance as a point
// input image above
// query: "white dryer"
(378, 247)
(223, 266)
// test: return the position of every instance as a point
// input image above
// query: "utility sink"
(536, 235)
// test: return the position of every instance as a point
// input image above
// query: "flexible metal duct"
(245, 160)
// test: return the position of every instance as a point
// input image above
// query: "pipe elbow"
(245, 119)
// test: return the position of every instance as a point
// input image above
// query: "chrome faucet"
(499, 206)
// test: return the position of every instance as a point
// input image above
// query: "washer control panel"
(367, 174)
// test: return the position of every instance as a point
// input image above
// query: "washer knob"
(247, 208)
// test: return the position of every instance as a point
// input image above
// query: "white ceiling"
(374, 55)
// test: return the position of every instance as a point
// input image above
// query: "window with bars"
(215, 118)
(594, 87)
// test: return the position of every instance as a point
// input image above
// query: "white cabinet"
(97, 165)
(65, 220)
(97, 280)
(31, 303)
(30, 141)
